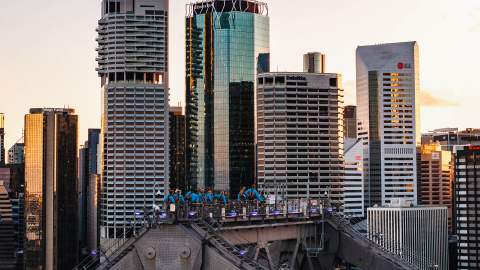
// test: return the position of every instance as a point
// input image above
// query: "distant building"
(7, 238)
(18, 217)
(436, 178)
(228, 44)
(16, 153)
(467, 206)
(350, 122)
(93, 212)
(354, 179)
(451, 137)
(418, 234)
(299, 134)
(177, 149)
(388, 124)
(2, 139)
(51, 200)
(314, 62)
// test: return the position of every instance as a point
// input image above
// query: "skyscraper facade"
(388, 120)
(227, 44)
(51, 204)
(133, 66)
(7, 232)
(417, 234)
(2, 139)
(451, 137)
(467, 206)
(16, 153)
(300, 134)
(350, 125)
(436, 178)
(177, 149)
(353, 185)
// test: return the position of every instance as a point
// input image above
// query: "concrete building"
(177, 149)
(51, 201)
(2, 139)
(227, 44)
(354, 179)
(7, 232)
(16, 153)
(350, 122)
(314, 62)
(300, 134)
(133, 66)
(436, 178)
(388, 122)
(417, 234)
(467, 206)
(451, 137)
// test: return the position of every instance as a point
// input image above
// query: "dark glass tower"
(51, 204)
(177, 149)
(227, 44)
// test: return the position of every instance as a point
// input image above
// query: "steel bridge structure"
(288, 236)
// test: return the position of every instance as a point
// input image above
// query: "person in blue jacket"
(221, 198)
(209, 197)
(170, 198)
(179, 199)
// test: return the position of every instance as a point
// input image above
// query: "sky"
(47, 52)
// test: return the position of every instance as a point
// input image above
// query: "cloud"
(429, 100)
(475, 28)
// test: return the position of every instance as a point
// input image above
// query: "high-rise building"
(7, 238)
(51, 203)
(2, 139)
(467, 206)
(451, 137)
(133, 66)
(314, 62)
(353, 193)
(417, 234)
(227, 44)
(16, 153)
(388, 122)
(436, 178)
(88, 166)
(300, 134)
(177, 149)
(350, 122)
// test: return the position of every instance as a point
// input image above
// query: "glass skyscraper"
(51, 205)
(227, 44)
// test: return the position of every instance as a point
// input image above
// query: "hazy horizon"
(48, 52)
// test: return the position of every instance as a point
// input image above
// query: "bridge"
(304, 237)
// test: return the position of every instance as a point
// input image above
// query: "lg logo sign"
(403, 65)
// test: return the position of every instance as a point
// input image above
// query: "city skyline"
(55, 85)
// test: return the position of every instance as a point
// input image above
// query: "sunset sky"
(47, 52)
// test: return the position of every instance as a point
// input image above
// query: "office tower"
(417, 234)
(314, 62)
(18, 217)
(88, 167)
(227, 44)
(388, 122)
(451, 137)
(93, 212)
(133, 66)
(467, 206)
(354, 179)
(2, 139)
(350, 122)
(51, 201)
(16, 153)
(7, 240)
(5, 177)
(436, 178)
(300, 134)
(177, 149)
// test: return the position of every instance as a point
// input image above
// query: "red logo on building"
(400, 65)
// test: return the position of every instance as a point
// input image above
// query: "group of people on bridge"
(210, 197)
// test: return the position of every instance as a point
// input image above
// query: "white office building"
(388, 120)
(353, 184)
(418, 234)
(133, 66)
(300, 134)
